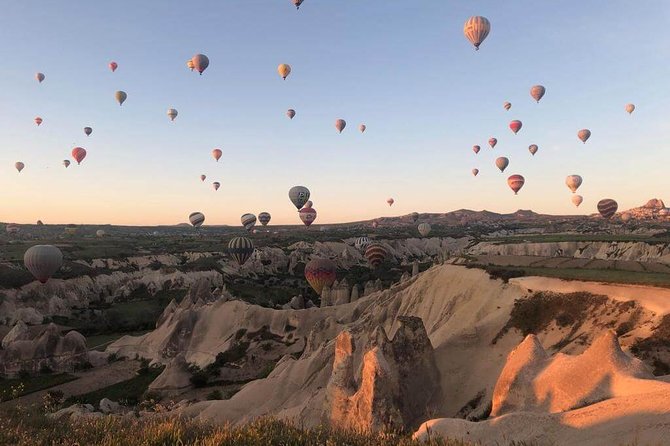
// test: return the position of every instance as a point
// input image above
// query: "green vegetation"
(568, 237)
(128, 392)
(656, 348)
(16, 387)
(39, 430)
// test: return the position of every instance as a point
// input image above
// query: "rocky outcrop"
(399, 380)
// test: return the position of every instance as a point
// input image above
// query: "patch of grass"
(38, 430)
(9, 387)
(128, 392)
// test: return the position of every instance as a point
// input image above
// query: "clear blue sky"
(401, 67)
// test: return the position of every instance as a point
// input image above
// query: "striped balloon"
(307, 215)
(424, 229)
(584, 135)
(507, 105)
(320, 273)
(493, 142)
(216, 185)
(248, 221)
(38, 121)
(516, 182)
(264, 218)
(362, 242)
(375, 254)
(533, 149)
(502, 163)
(290, 113)
(240, 249)
(79, 153)
(476, 29)
(43, 261)
(476, 149)
(298, 196)
(515, 126)
(607, 208)
(197, 219)
(537, 91)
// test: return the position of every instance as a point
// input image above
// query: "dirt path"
(88, 381)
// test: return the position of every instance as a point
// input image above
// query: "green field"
(11, 388)
(127, 392)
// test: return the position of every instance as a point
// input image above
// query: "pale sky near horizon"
(402, 68)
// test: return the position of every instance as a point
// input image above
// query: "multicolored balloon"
(493, 142)
(507, 105)
(516, 182)
(190, 65)
(200, 62)
(284, 70)
(502, 163)
(375, 254)
(577, 200)
(216, 154)
(88, 131)
(424, 229)
(38, 121)
(264, 218)
(290, 113)
(515, 126)
(196, 219)
(362, 242)
(584, 135)
(78, 153)
(240, 249)
(248, 221)
(113, 66)
(607, 208)
(340, 124)
(307, 215)
(216, 185)
(120, 97)
(537, 91)
(476, 149)
(172, 113)
(43, 261)
(298, 196)
(320, 273)
(476, 29)
(573, 182)
(533, 149)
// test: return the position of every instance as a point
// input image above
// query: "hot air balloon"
(216, 185)
(362, 128)
(475, 172)
(100, 233)
(297, 3)
(573, 182)
(515, 126)
(607, 208)
(240, 249)
(507, 105)
(298, 196)
(577, 200)
(113, 66)
(537, 91)
(172, 113)
(476, 149)
(190, 65)
(38, 121)
(516, 182)
(290, 113)
(309, 204)
(630, 108)
(39, 223)
(203, 177)
(284, 70)
(493, 142)
(307, 215)
(78, 153)
(197, 219)
(390, 201)
(362, 242)
(216, 153)
(502, 163)
(476, 29)
(66, 163)
(43, 261)
(424, 229)
(584, 135)
(340, 124)
(248, 221)
(88, 131)
(375, 254)
(121, 97)
(320, 273)
(40, 77)
(264, 218)
(19, 166)
(414, 216)
(200, 62)
(533, 149)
